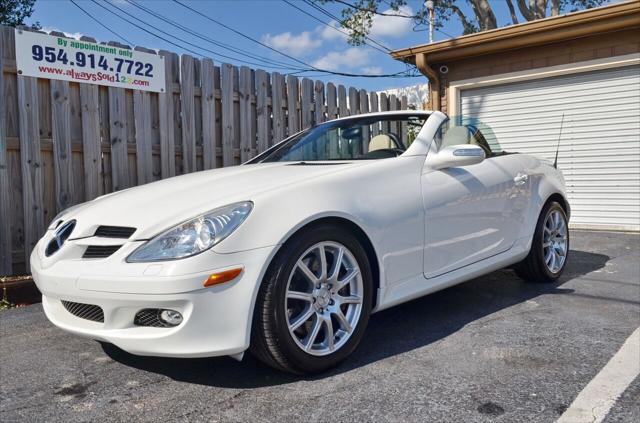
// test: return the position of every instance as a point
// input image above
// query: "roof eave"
(575, 25)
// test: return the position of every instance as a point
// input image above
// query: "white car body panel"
(474, 221)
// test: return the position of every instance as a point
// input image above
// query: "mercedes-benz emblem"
(59, 237)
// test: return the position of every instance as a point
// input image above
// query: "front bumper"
(216, 320)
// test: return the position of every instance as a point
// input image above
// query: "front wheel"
(314, 303)
(550, 247)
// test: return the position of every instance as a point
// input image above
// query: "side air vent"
(114, 232)
(84, 311)
(100, 251)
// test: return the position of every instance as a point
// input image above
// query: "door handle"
(520, 179)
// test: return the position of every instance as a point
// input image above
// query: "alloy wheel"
(324, 298)
(554, 241)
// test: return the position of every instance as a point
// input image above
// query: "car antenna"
(555, 162)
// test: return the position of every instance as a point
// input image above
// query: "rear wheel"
(550, 247)
(314, 303)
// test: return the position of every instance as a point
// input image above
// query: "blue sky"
(273, 22)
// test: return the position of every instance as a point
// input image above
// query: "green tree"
(14, 12)
(357, 15)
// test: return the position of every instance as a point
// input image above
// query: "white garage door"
(600, 145)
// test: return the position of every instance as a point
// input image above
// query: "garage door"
(600, 145)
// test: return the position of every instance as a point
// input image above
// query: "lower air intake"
(100, 251)
(84, 311)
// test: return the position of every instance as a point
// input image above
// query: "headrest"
(380, 142)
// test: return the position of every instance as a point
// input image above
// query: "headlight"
(193, 236)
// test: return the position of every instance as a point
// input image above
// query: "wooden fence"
(63, 143)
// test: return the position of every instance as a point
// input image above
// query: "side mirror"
(456, 156)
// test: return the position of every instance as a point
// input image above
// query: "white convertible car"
(289, 254)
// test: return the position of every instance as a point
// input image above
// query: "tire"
(538, 266)
(275, 339)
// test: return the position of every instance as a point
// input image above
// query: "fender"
(548, 182)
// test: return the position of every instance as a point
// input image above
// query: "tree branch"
(540, 9)
(468, 27)
(512, 11)
(524, 10)
(373, 10)
(555, 7)
(484, 13)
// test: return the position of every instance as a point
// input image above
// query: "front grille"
(84, 311)
(61, 235)
(114, 232)
(100, 251)
(149, 317)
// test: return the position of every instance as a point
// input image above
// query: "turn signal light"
(222, 277)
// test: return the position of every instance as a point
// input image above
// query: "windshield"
(363, 138)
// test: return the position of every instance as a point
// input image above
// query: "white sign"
(52, 57)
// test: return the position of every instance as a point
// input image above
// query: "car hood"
(160, 205)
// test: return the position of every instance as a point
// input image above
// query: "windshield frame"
(328, 125)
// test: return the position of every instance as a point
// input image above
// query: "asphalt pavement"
(495, 349)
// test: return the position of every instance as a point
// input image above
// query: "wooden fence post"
(142, 121)
(319, 102)
(6, 259)
(247, 131)
(306, 101)
(293, 113)
(30, 156)
(166, 109)
(61, 124)
(364, 108)
(91, 140)
(278, 103)
(332, 113)
(384, 106)
(354, 101)
(264, 92)
(228, 122)
(209, 134)
(393, 106)
(118, 139)
(343, 108)
(187, 111)
(373, 99)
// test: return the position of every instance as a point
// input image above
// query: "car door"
(472, 212)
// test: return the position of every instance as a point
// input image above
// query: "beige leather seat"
(380, 142)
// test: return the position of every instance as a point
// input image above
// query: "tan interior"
(380, 142)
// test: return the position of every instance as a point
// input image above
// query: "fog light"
(171, 317)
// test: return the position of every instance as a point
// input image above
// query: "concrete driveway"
(492, 349)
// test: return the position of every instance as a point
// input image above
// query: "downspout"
(434, 80)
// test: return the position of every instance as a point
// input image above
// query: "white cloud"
(372, 70)
(296, 45)
(353, 57)
(390, 26)
(75, 35)
(336, 32)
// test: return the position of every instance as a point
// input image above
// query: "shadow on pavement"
(391, 332)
